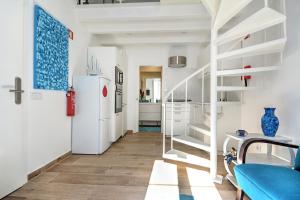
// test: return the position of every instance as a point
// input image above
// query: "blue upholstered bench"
(267, 182)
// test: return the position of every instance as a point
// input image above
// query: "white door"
(12, 156)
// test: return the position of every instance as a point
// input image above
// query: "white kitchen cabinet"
(196, 114)
(179, 127)
(181, 117)
(124, 67)
(119, 124)
(150, 112)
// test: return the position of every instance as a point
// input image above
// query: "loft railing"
(84, 2)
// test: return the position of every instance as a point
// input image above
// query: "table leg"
(225, 152)
(269, 150)
(292, 154)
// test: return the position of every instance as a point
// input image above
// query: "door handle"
(18, 90)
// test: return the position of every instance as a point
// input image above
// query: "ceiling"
(147, 23)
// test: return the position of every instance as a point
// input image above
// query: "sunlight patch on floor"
(163, 184)
(162, 192)
(164, 174)
(203, 188)
(205, 193)
(199, 178)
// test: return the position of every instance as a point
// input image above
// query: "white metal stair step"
(186, 158)
(274, 46)
(233, 88)
(190, 141)
(261, 20)
(239, 72)
(200, 128)
(227, 10)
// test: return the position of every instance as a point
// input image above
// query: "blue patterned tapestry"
(51, 52)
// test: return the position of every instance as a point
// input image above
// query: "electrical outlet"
(258, 148)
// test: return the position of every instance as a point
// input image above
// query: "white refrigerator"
(91, 123)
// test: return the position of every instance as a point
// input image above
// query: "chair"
(267, 182)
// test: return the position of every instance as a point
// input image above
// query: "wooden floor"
(122, 173)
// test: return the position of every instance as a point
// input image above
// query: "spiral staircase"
(221, 13)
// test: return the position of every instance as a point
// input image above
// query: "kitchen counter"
(145, 103)
(150, 111)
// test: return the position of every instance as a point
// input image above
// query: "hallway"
(123, 172)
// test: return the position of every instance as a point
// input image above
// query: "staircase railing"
(203, 72)
(85, 2)
(222, 13)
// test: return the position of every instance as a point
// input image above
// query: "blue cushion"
(297, 160)
(267, 182)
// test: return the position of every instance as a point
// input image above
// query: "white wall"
(48, 128)
(156, 55)
(280, 89)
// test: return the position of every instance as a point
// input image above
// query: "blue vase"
(269, 122)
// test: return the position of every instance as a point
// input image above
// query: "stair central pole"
(213, 102)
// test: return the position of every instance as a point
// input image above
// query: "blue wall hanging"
(51, 52)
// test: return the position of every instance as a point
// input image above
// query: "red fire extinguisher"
(70, 102)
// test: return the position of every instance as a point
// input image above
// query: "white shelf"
(227, 103)
(261, 20)
(220, 103)
(190, 141)
(186, 158)
(227, 10)
(261, 158)
(201, 128)
(239, 72)
(258, 135)
(233, 88)
(274, 46)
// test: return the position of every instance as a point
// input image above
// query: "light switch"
(36, 96)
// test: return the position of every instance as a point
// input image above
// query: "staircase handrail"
(186, 79)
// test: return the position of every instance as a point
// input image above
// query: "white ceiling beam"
(212, 6)
(151, 26)
(130, 39)
(135, 12)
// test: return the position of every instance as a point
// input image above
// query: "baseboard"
(47, 166)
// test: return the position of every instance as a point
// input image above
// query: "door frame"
(138, 92)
